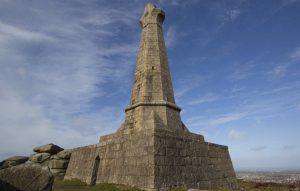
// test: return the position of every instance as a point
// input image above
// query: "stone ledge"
(154, 103)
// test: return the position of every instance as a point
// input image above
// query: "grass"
(252, 186)
(77, 185)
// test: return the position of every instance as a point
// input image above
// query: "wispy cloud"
(295, 54)
(232, 14)
(227, 118)
(281, 69)
(54, 69)
(298, 106)
(289, 147)
(171, 36)
(216, 120)
(170, 2)
(204, 99)
(259, 148)
(223, 13)
(243, 70)
(188, 84)
(176, 3)
(234, 135)
(237, 89)
(10, 32)
(226, 13)
(255, 105)
(279, 89)
(282, 4)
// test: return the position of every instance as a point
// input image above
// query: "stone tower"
(152, 90)
(153, 149)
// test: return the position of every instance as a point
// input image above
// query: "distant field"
(75, 185)
(270, 177)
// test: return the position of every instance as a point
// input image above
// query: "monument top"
(153, 15)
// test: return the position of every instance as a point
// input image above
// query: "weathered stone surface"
(7, 164)
(58, 172)
(48, 148)
(19, 159)
(66, 154)
(39, 157)
(153, 149)
(54, 157)
(58, 164)
(13, 161)
(26, 177)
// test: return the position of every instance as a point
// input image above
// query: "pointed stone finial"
(152, 15)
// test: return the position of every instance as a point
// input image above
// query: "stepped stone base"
(154, 160)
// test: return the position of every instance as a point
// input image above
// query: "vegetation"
(76, 185)
(252, 186)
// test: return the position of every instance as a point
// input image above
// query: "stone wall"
(123, 159)
(185, 160)
(151, 159)
(81, 163)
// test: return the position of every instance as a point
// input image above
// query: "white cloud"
(237, 89)
(171, 36)
(256, 105)
(227, 118)
(9, 32)
(233, 134)
(53, 67)
(216, 121)
(295, 54)
(279, 71)
(204, 99)
(232, 14)
(227, 15)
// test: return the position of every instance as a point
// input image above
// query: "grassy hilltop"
(76, 185)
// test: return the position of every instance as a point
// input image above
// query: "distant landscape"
(284, 177)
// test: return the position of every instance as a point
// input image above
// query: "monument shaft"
(152, 88)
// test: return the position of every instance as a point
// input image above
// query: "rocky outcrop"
(26, 177)
(52, 156)
(13, 161)
(66, 154)
(48, 148)
(40, 157)
(59, 163)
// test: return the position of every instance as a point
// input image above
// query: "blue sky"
(67, 70)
